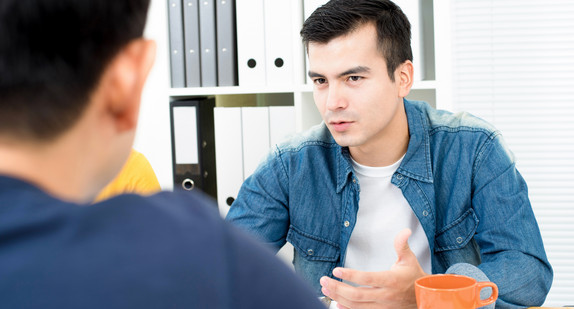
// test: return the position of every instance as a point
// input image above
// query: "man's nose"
(336, 98)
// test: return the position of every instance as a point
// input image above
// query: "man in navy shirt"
(71, 76)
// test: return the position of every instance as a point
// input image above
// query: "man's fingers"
(402, 248)
(348, 296)
(345, 293)
(358, 277)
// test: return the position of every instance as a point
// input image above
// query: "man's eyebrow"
(355, 70)
(314, 74)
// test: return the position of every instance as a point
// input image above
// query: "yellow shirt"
(137, 176)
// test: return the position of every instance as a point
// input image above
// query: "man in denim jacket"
(380, 166)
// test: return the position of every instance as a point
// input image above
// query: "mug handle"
(493, 296)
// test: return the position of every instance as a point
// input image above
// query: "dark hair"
(52, 55)
(341, 17)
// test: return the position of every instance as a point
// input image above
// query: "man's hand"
(386, 289)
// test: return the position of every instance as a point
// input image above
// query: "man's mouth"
(340, 126)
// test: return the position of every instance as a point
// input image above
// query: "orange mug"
(452, 292)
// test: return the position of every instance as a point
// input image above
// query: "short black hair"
(52, 55)
(340, 17)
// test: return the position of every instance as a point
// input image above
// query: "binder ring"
(187, 184)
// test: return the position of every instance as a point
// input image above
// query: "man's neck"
(386, 148)
(67, 167)
(45, 168)
(378, 158)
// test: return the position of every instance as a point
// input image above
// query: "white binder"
(251, 42)
(255, 130)
(228, 155)
(281, 123)
(278, 43)
(411, 8)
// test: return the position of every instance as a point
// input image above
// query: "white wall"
(513, 65)
(153, 137)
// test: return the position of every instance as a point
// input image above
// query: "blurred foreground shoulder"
(243, 272)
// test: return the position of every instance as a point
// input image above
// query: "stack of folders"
(229, 42)
(202, 39)
(214, 149)
(243, 138)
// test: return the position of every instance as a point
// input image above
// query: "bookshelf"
(152, 137)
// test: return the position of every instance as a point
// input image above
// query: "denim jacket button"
(347, 223)
(310, 252)
(459, 240)
(425, 213)
(399, 176)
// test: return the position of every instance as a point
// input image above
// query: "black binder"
(193, 145)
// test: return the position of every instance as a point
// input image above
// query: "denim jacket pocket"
(311, 247)
(458, 233)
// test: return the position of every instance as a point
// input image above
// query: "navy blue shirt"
(170, 250)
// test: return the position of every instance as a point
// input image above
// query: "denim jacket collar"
(345, 168)
(417, 162)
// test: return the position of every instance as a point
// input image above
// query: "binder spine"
(191, 42)
(226, 43)
(193, 145)
(207, 43)
(175, 16)
(207, 147)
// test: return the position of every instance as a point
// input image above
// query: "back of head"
(341, 17)
(52, 54)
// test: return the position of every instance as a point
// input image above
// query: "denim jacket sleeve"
(511, 246)
(261, 207)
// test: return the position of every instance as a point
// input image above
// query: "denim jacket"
(458, 177)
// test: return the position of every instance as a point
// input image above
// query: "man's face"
(352, 89)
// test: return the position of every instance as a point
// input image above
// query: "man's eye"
(355, 78)
(319, 81)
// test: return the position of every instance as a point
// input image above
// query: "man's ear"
(404, 78)
(123, 82)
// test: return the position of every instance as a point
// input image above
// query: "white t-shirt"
(383, 213)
